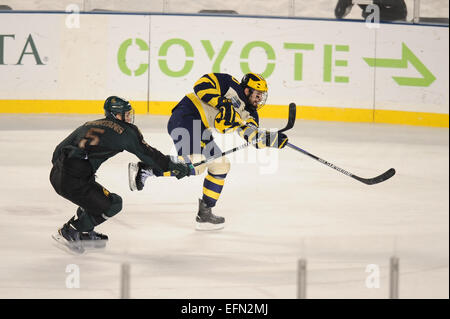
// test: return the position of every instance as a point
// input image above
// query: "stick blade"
(380, 178)
(292, 113)
(291, 117)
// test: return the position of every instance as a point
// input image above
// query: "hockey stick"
(289, 125)
(369, 181)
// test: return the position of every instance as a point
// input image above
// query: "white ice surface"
(302, 209)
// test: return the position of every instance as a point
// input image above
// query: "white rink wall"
(50, 62)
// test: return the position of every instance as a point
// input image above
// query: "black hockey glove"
(276, 139)
(180, 170)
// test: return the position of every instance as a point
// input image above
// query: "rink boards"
(335, 71)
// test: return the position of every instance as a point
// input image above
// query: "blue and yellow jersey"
(212, 87)
(208, 91)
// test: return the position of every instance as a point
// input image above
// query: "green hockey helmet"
(115, 105)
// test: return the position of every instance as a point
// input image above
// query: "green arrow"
(407, 55)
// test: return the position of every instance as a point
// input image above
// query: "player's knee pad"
(116, 206)
(219, 166)
(195, 158)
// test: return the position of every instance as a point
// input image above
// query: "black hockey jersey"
(97, 141)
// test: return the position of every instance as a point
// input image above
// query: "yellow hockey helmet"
(256, 82)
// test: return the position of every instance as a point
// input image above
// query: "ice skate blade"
(208, 226)
(63, 244)
(94, 244)
(132, 172)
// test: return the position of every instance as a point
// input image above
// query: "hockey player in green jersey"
(77, 158)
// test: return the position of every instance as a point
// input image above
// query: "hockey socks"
(212, 187)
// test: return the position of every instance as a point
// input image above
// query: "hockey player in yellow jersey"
(222, 103)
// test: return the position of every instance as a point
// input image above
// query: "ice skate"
(206, 220)
(137, 175)
(93, 239)
(70, 238)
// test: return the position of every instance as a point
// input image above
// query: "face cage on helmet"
(263, 98)
(263, 101)
(123, 114)
(131, 116)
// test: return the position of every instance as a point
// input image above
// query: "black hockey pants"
(74, 180)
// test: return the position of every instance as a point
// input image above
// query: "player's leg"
(63, 180)
(215, 180)
(212, 188)
(194, 143)
(96, 205)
